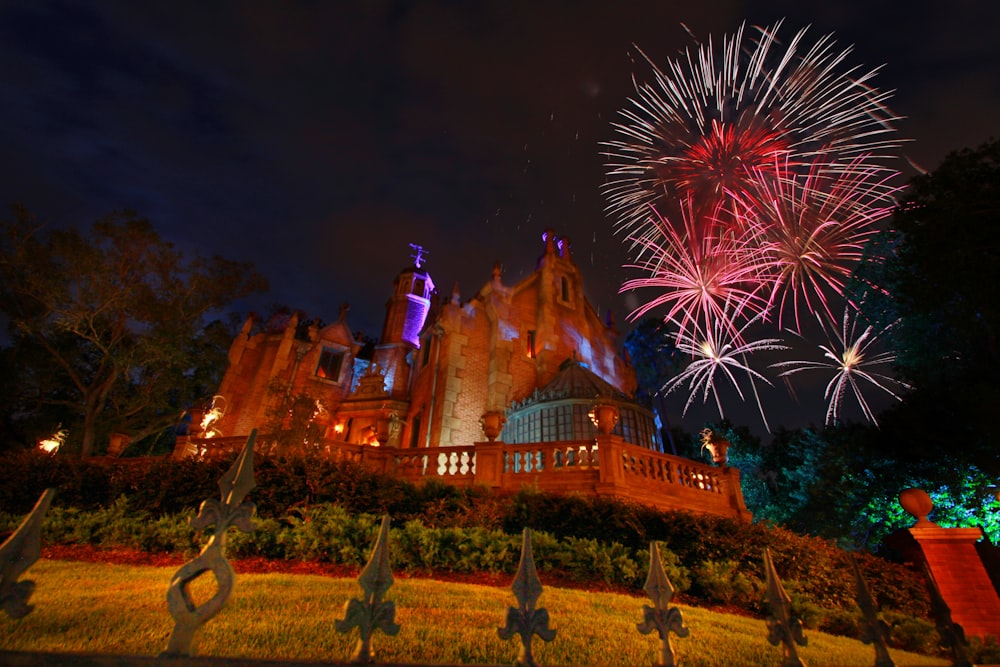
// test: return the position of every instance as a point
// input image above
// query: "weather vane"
(419, 253)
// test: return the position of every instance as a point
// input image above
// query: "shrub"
(722, 582)
(911, 634)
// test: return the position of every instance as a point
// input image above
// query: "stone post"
(489, 464)
(611, 471)
(951, 556)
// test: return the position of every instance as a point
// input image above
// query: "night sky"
(318, 139)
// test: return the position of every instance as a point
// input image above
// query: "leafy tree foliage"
(944, 278)
(656, 359)
(108, 328)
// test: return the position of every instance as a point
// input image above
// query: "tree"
(656, 359)
(109, 327)
(944, 282)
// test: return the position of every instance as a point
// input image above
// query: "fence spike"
(952, 634)
(18, 553)
(526, 620)
(783, 627)
(875, 629)
(661, 616)
(231, 510)
(372, 613)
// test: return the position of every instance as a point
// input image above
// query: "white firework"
(717, 352)
(851, 359)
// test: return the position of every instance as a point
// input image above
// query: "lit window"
(329, 364)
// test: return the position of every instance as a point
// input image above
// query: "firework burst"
(700, 277)
(810, 231)
(710, 120)
(717, 352)
(851, 359)
(768, 162)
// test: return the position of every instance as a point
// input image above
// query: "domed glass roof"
(560, 410)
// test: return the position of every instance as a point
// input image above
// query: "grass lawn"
(106, 608)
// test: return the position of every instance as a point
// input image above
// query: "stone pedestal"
(951, 556)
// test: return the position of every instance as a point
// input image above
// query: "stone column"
(951, 556)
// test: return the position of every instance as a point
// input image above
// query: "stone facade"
(440, 365)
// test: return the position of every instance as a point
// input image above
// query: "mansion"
(522, 384)
(536, 352)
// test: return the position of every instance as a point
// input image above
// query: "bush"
(722, 582)
(911, 634)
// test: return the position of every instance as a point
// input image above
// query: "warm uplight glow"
(212, 415)
(52, 444)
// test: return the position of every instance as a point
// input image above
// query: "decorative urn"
(492, 424)
(605, 417)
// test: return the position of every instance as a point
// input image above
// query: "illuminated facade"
(536, 351)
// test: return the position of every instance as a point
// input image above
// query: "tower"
(405, 315)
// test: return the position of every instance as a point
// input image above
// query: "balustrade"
(645, 475)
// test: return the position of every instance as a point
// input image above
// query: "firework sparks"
(702, 278)
(811, 231)
(717, 352)
(702, 128)
(851, 359)
(768, 161)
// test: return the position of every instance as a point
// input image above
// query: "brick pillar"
(951, 556)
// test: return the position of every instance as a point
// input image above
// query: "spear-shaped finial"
(372, 613)
(661, 616)
(784, 628)
(17, 554)
(525, 620)
(952, 634)
(231, 510)
(875, 629)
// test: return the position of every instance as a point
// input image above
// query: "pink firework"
(811, 230)
(713, 118)
(851, 360)
(701, 278)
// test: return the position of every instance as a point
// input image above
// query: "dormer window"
(330, 361)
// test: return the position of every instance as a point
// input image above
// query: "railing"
(606, 465)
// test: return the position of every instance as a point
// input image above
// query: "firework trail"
(702, 278)
(718, 352)
(851, 361)
(810, 231)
